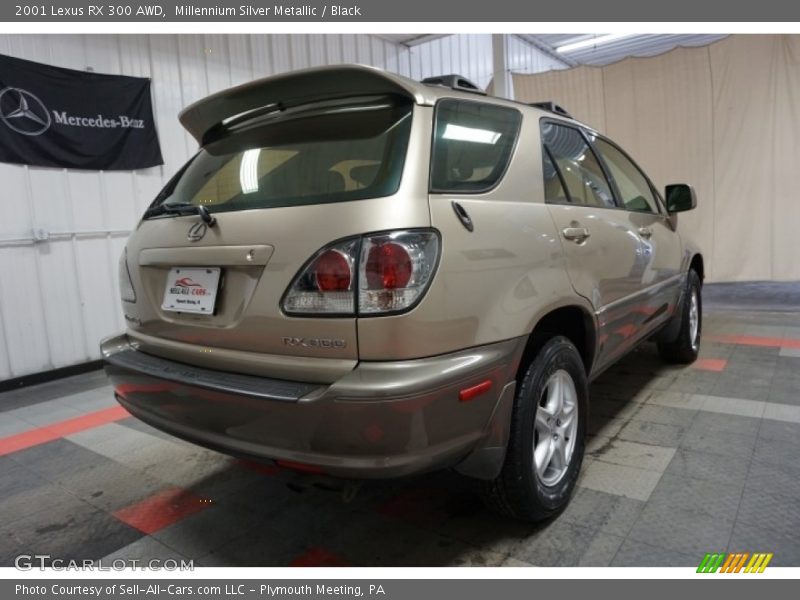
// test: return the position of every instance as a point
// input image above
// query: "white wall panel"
(524, 58)
(59, 298)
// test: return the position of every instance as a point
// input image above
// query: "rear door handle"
(645, 232)
(575, 234)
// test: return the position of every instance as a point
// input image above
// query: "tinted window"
(472, 145)
(584, 177)
(634, 189)
(339, 153)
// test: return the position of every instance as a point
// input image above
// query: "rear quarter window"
(472, 145)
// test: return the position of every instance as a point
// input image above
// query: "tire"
(522, 490)
(685, 348)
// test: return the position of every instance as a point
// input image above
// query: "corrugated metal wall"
(522, 57)
(58, 298)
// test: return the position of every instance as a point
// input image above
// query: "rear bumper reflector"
(469, 393)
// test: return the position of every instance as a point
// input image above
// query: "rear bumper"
(383, 419)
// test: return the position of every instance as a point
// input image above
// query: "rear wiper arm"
(182, 208)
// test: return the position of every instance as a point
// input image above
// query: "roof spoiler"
(205, 120)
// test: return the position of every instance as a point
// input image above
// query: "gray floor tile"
(604, 426)
(603, 512)
(28, 396)
(739, 407)
(638, 554)
(709, 466)
(71, 531)
(717, 422)
(742, 387)
(633, 454)
(141, 426)
(16, 478)
(782, 479)
(10, 425)
(782, 412)
(769, 510)
(779, 430)
(558, 544)
(687, 531)
(656, 434)
(58, 459)
(785, 393)
(484, 528)
(110, 486)
(783, 543)
(688, 385)
(601, 550)
(372, 540)
(33, 500)
(665, 415)
(719, 441)
(776, 451)
(144, 550)
(441, 551)
(620, 480)
(209, 529)
(45, 413)
(696, 495)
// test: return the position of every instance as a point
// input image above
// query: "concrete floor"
(682, 461)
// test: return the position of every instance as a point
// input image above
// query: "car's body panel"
(383, 419)
(248, 317)
(381, 395)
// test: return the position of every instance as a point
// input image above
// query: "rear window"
(337, 153)
(472, 145)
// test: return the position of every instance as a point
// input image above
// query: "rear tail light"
(126, 291)
(373, 275)
(326, 285)
(395, 270)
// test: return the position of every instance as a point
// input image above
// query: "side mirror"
(680, 198)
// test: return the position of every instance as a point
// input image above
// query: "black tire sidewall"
(693, 287)
(558, 353)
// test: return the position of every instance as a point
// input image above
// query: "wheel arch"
(697, 264)
(575, 322)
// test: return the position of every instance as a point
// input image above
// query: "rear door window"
(472, 145)
(634, 188)
(578, 166)
(353, 151)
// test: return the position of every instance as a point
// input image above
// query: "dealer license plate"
(191, 290)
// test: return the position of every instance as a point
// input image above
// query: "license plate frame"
(191, 290)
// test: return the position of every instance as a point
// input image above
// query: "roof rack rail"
(455, 82)
(552, 107)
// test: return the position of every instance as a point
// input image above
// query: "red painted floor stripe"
(318, 557)
(162, 510)
(54, 431)
(710, 364)
(754, 340)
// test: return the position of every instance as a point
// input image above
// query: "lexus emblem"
(196, 232)
(23, 112)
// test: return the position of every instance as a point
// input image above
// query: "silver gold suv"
(367, 276)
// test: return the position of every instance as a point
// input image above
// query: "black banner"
(54, 117)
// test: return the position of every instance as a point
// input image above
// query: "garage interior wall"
(724, 118)
(59, 297)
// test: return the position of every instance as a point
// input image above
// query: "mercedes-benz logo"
(23, 112)
(196, 232)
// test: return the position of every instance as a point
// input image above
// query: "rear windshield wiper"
(181, 208)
